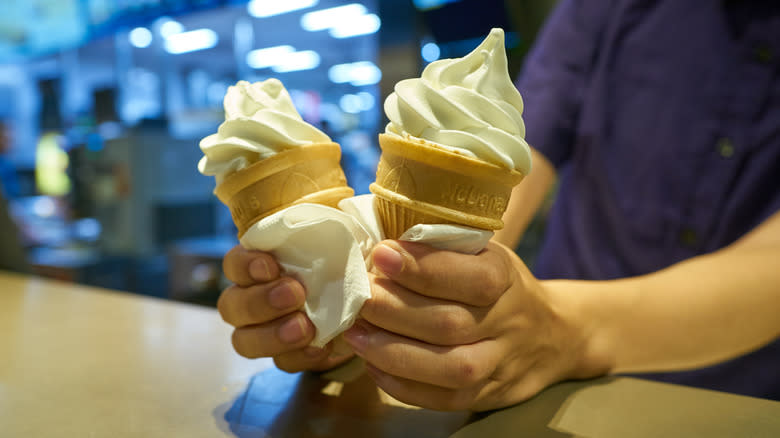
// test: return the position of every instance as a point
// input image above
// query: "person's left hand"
(450, 331)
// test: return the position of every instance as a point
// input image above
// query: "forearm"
(692, 314)
(526, 199)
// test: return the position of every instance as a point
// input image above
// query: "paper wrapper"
(307, 174)
(421, 183)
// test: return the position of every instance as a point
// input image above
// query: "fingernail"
(357, 337)
(259, 270)
(283, 296)
(388, 260)
(292, 331)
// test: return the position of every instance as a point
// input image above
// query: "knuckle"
(484, 296)
(452, 325)
(529, 388)
(378, 304)
(495, 282)
(225, 304)
(230, 261)
(253, 308)
(467, 371)
(238, 339)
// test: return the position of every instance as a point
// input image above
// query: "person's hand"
(265, 308)
(449, 331)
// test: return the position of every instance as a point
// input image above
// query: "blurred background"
(103, 103)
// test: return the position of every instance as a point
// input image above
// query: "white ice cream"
(468, 105)
(260, 120)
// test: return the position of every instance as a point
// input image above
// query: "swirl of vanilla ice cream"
(468, 105)
(260, 120)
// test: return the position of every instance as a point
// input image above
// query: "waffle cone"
(308, 174)
(421, 183)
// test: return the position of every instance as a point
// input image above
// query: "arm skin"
(451, 331)
(695, 313)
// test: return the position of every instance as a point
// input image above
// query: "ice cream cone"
(306, 174)
(422, 183)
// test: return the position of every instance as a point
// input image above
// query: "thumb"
(477, 280)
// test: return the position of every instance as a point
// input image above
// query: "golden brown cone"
(310, 174)
(421, 183)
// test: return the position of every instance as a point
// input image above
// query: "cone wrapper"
(307, 174)
(421, 183)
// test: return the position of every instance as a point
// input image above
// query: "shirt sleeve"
(555, 74)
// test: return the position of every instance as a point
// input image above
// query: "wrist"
(578, 307)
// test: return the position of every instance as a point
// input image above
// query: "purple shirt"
(663, 121)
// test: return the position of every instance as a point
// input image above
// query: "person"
(9, 183)
(12, 254)
(659, 122)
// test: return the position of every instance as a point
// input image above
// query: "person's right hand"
(265, 307)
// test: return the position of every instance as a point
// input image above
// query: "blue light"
(425, 5)
(430, 52)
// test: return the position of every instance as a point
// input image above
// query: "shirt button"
(763, 53)
(725, 147)
(688, 237)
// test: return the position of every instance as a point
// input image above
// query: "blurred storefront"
(105, 101)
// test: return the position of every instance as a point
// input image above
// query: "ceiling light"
(367, 100)
(270, 56)
(269, 8)
(191, 41)
(349, 103)
(356, 73)
(362, 25)
(355, 103)
(331, 17)
(140, 37)
(296, 61)
(170, 28)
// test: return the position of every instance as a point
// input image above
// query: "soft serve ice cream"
(468, 105)
(260, 121)
(455, 146)
(265, 157)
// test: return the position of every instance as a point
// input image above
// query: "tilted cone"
(306, 174)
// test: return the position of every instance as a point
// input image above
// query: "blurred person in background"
(9, 183)
(659, 121)
(12, 255)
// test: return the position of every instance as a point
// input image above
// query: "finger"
(477, 280)
(289, 333)
(244, 267)
(260, 303)
(448, 367)
(432, 320)
(422, 394)
(311, 359)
